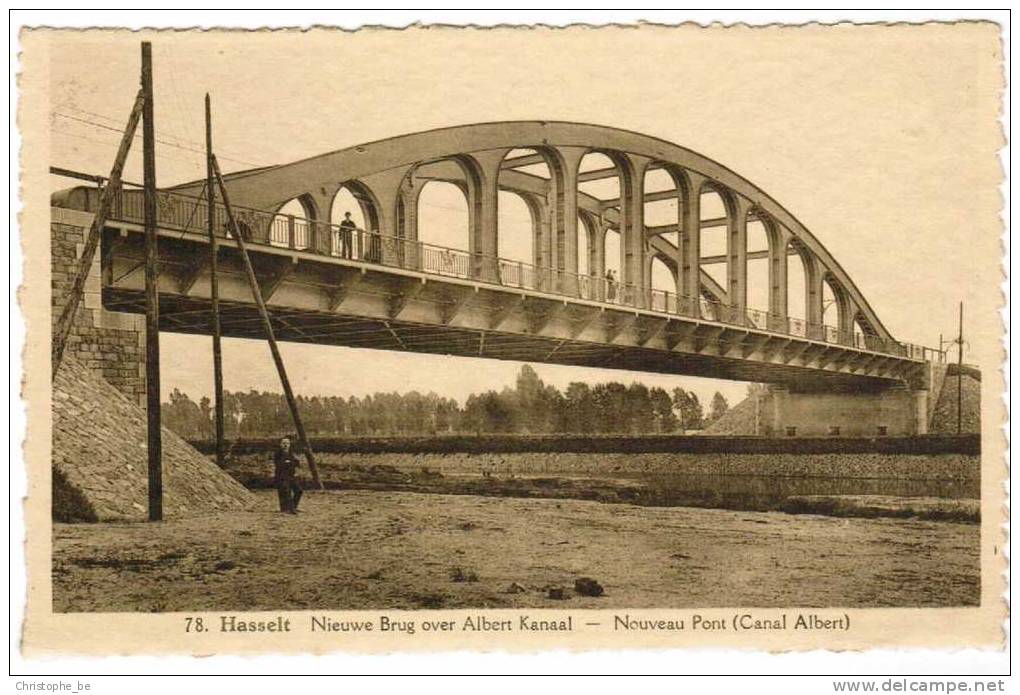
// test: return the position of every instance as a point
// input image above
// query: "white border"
(667, 662)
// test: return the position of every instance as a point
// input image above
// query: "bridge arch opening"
(519, 217)
(438, 212)
(516, 221)
(796, 287)
(608, 176)
(444, 218)
(290, 227)
(585, 246)
(598, 177)
(538, 178)
(836, 310)
(591, 258)
(611, 260)
(759, 245)
(354, 198)
(865, 335)
(528, 160)
(830, 306)
(662, 216)
(715, 219)
(662, 280)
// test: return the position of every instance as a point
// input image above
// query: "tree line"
(529, 407)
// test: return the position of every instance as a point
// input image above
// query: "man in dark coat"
(285, 465)
(347, 228)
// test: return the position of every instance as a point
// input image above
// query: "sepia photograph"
(587, 332)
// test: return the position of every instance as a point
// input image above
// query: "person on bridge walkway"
(347, 228)
(610, 285)
(285, 465)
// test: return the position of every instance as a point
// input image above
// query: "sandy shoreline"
(401, 550)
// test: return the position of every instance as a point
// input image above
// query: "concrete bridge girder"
(326, 301)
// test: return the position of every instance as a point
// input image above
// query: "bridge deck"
(397, 295)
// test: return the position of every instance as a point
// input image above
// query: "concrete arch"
(589, 226)
(844, 306)
(631, 227)
(307, 203)
(267, 187)
(812, 288)
(460, 170)
(865, 335)
(777, 248)
(296, 231)
(366, 199)
(549, 242)
(734, 248)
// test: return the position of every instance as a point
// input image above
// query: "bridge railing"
(188, 214)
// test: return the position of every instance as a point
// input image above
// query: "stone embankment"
(897, 466)
(100, 458)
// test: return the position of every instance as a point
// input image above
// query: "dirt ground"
(368, 549)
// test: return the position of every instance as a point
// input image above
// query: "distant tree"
(184, 416)
(640, 418)
(610, 407)
(662, 410)
(487, 413)
(578, 414)
(529, 406)
(719, 406)
(686, 403)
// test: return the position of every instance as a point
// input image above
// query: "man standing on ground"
(347, 228)
(285, 465)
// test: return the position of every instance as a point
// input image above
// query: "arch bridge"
(729, 306)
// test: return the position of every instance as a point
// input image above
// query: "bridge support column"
(736, 259)
(598, 266)
(690, 246)
(385, 188)
(779, 239)
(814, 296)
(564, 215)
(545, 245)
(408, 224)
(320, 233)
(486, 227)
(847, 310)
(632, 227)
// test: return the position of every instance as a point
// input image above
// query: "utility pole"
(267, 325)
(959, 377)
(214, 290)
(154, 440)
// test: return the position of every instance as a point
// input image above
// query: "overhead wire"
(161, 140)
(199, 143)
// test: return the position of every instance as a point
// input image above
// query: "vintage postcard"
(513, 338)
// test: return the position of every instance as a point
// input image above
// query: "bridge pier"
(110, 343)
(896, 411)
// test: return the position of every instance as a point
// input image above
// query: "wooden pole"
(66, 320)
(959, 377)
(214, 291)
(155, 443)
(267, 326)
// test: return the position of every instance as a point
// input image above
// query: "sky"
(881, 143)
